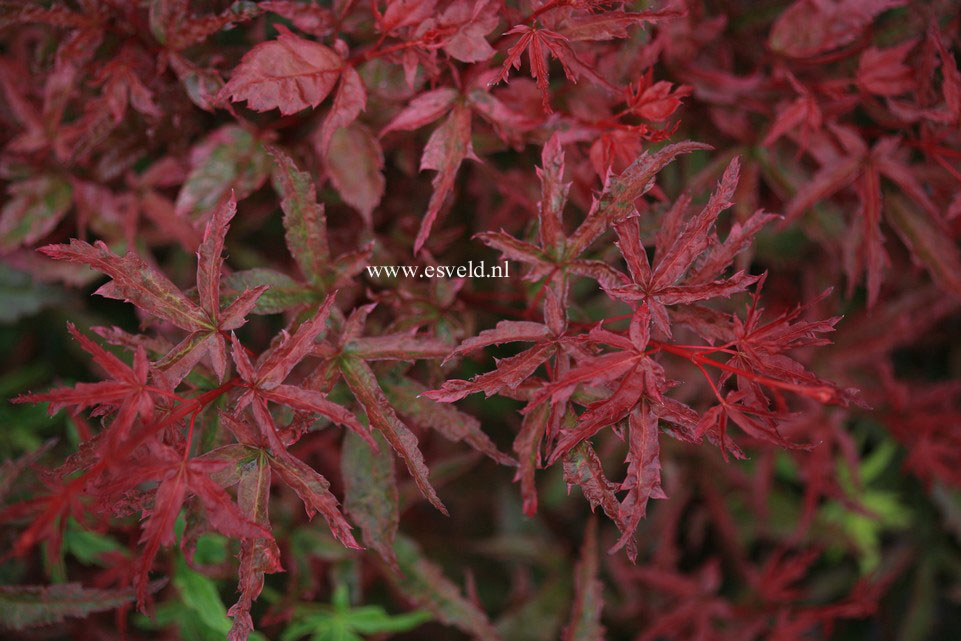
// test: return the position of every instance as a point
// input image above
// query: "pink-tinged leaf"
(883, 72)
(659, 101)
(222, 513)
(513, 248)
(309, 18)
(611, 25)
(951, 87)
(349, 101)
(629, 244)
(365, 388)
(506, 331)
(231, 159)
(873, 257)
(184, 30)
(739, 239)
(447, 147)
(404, 395)
(828, 180)
(258, 556)
(181, 359)
(553, 193)
(158, 529)
(235, 314)
(605, 275)
(509, 373)
(687, 294)
(602, 414)
(902, 175)
(538, 42)
(31, 606)
(307, 400)
(620, 193)
(355, 164)
(276, 363)
(370, 494)
(585, 621)
(422, 110)
(639, 330)
(536, 57)
(304, 220)
(809, 28)
(694, 238)
(928, 241)
(527, 446)
(354, 325)
(201, 84)
(403, 13)
(314, 491)
(598, 370)
(423, 582)
(398, 347)
(583, 468)
(643, 481)
(33, 208)
(471, 20)
(136, 282)
(801, 112)
(245, 433)
(289, 73)
(210, 259)
(112, 365)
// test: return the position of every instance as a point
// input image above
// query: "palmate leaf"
(177, 479)
(27, 606)
(127, 392)
(135, 281)
(289, 73)
(341, 622)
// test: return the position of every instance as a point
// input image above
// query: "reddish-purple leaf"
(883, 72)
(643, 481)
(583, 468)
(363, 384)
(620, 193)
(135, 282)
(289, 74)
(585, 619)
(447, 147)
(314, 491)
(422, 110)
(349, 101)
(355, 164)
(405, 397)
